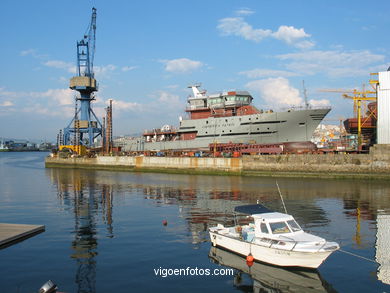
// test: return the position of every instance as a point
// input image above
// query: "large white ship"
(229, 117)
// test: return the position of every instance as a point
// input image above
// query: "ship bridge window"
(215, 100)
(242, 99)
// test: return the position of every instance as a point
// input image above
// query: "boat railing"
(196, 107)
(291, 240)
(305, 108)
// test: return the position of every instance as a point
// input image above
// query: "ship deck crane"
(84, 126)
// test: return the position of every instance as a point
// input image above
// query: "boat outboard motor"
(48, 287)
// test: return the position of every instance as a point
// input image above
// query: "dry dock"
(13, 233)
(376, 164)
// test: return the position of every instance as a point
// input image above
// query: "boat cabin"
(274, 223)
(267, 224)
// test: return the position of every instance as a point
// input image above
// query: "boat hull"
(274, 256)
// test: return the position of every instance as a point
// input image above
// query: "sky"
(148, 52)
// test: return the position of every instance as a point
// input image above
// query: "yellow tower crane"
(359, 96)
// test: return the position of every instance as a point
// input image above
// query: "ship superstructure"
(229, 117)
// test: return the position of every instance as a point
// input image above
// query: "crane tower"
(85, 126)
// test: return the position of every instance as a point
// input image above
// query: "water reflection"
(266, 278)
(81, 196)
(344, 211)
(203, 209)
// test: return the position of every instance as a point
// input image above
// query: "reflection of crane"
(85, 125)
(85, 201)
(358, 97)
(85, 242)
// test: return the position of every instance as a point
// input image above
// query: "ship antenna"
(281, 197)
(305, 94)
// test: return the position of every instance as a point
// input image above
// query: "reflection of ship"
(229, 117)
(267, 278)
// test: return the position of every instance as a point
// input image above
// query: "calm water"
(104, 230)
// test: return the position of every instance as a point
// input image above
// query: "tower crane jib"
(86, 49)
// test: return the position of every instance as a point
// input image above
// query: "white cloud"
(28, 52)
(104, 71)
(119, 105)
(289, 34)
(319, 103)
(62, 96)
(292, 36)
(8, 94)
(276, 92)
(47, 111)
(168, 98)
(172, 86)
(237, 26)
(52, 102)
(334, 63)
(256, 73)
(33, 53)
(244, 11)
(304, 44)
(6, 104)
(181, 65)
(69, 67)
(100, 71)
(129, 68)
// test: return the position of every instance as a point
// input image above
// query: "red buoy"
(165, 222)
(250, 258)
(249, 263)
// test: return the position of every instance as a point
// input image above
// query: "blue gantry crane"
(85, 127)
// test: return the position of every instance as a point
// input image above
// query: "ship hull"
(274, 127)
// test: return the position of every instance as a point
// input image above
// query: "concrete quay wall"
(140, 163)
(373, 165)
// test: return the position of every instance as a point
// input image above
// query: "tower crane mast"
(84, 125)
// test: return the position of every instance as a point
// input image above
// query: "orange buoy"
(250, 258)
(165, 222)
(249, 263)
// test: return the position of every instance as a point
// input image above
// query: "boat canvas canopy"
(252, 209)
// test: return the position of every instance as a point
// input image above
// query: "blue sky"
(148, 52)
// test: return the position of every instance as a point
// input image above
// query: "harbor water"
(147, 232)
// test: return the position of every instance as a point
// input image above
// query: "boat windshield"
(279, 228)
(294, 226)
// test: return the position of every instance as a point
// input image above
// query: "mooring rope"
(359, 256)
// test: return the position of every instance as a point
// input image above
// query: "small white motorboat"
(273, 238)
